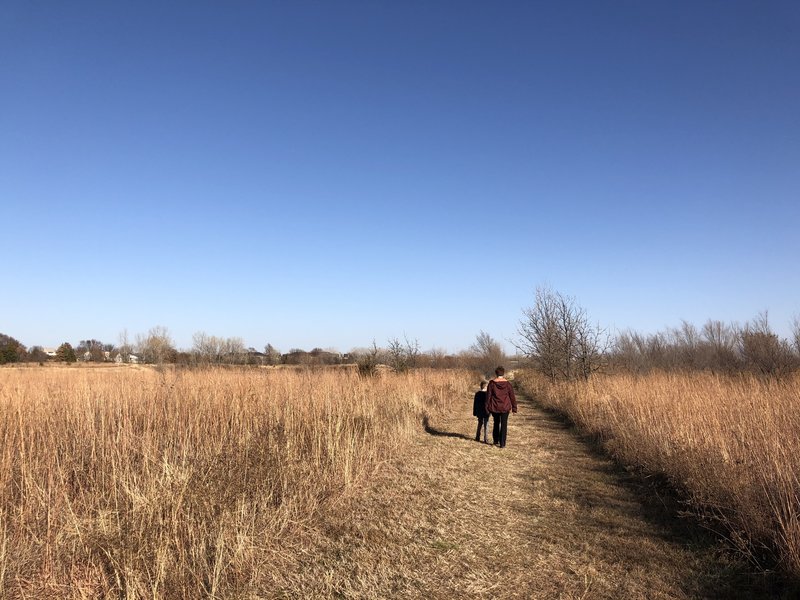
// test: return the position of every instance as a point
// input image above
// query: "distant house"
(119, 358)
(90, 355)
(51, 352)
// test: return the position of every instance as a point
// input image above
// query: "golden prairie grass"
(140, 483)
(730, 444)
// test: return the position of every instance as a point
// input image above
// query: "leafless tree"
(233, 350)
(368, 359)
(125, 348)
(486, 353)
(717, 346)
(212, 349)
(437, 358)
(720, 341)
(273, 355)
(592, 344)
(403, 355)
(156, 347)
(206, 348)
(686, 342)
(556, 334)
(762, 350)
(90, 350)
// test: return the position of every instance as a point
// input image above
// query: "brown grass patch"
(730, 444)
(136, 483)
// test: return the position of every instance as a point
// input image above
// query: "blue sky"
(325, 174)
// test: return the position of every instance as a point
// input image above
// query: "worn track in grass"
(546, 517)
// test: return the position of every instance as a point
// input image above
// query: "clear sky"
(329, 173)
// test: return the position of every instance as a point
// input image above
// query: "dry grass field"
(729, 444)
(137, 482)
(145, 483)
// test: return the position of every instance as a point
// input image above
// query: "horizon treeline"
(716, 346)
(555, 337)
(157, 347)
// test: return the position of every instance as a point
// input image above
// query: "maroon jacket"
(500, 397)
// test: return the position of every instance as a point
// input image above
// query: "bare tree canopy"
(156, 347)
(557, 335)
(403, 355)
(717, 346)
(486, 353)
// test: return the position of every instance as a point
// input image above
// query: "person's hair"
(483, 384)
(499, 371)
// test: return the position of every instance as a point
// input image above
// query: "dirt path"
(543, 518)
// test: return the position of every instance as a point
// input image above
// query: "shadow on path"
(438, 432)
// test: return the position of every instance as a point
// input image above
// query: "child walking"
(479, 410)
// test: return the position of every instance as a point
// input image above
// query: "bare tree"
(627, 353)
(762, 350)
(540, 339)
(437, 358)
(719, 341)
(234, 350)
(156, 347)
(273, 355)
(125, 348)
(556, 334)
(90, 350)
(717, 346)
(686, 342)
(212, 349)
(367, 359)
(412, 352)
(37, 354)
(403, 355)
(396, 354)
(206, 348)
(593, 345)
(486, 353)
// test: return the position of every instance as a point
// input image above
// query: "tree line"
(555, 336)
(157, 347)
(560, 341)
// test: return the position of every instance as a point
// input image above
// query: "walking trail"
(545, 517)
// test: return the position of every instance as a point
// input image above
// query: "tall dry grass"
(731, 444)
(137, 483)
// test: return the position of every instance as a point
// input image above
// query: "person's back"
(479, 411)
(479, 403)
(500, 400)
(500, 396)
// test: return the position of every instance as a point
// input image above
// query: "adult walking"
(500, 400)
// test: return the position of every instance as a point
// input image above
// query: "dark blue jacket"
(479, 405)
